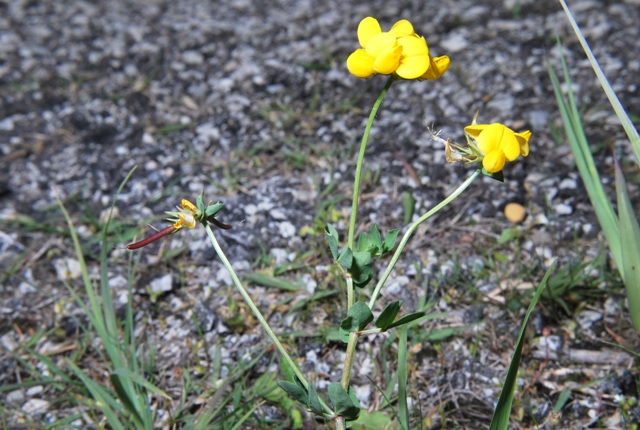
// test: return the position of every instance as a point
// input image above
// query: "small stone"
(67, 268)
(587, 318)
(454, 43)
(563, 209)
(568, 184)
(161, 285)
(192, 58)
(16, 396)
(35, 406)
(515, 212)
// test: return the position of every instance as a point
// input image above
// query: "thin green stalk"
(363, 147)
(413, 228)
(256, 312)
(348, 360)
(403, 408)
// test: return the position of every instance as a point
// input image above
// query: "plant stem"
(413, 228)
(256, 312)
(348, 360)
(403, 409)
(363, 147)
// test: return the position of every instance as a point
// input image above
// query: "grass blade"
(500, 420)
(629, 230)
(628, 126)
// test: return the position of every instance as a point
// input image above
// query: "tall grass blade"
(584, 161)
(628, 126)
(500, 420)
(630, 231)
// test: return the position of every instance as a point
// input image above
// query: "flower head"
(498, 144)
(399, 51)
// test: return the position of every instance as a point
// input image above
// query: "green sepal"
(388, 315)
(200, 203)
(342, 402)
(331, 235)
(211, 210)
(498, 176)
(358, 317)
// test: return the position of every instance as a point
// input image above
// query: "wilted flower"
(400, 51)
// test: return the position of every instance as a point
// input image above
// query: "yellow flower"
(185, 215)
(499, 144)
(400, 51)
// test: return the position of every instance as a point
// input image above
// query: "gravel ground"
(253, 104)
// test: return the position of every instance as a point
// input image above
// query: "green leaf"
(498, 176)
(361, 269)
(390, 240)
(331, 236)
(388, 315)
(406, 319)
(295, 391)
(630, 244)
(358, 317)
(346, 258)
(200, 202)
(408, 206)
(363, 242)
(500, 420)
(342, 402)
(314, 401)
(270, 281)
(374, 236)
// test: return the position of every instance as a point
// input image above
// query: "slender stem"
(363, 146)
(413, 228)
(348, 360)
(350, 290)
(256, 312)
(403, 409)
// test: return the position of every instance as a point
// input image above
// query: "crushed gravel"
(252, 103)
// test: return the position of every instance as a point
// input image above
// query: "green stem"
(413, 228)
(256, 312)
(403, 409)
(363, 146)
(348, 360)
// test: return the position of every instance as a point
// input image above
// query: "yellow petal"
(381, 43)
(360, 64)
(402, 28)
(490, 137)
(387, 61)
(509, 144)
(415, 57)
(523, 140)
(474, 130)
(437, 67)
(368, 28)
(494, 161)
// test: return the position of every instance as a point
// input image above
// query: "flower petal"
(402, 28)
(494, 161)
(474, 130)
(523, 140)
(415, 57)
(437, 67)
(509, 144)
(368, 28)
(360, 64)
(489, 139)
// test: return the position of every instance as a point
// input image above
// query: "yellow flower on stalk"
(185, 217)
(400, 51)
(498, 144)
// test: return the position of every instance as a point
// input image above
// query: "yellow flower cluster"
(400, 51)
(498, 144)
